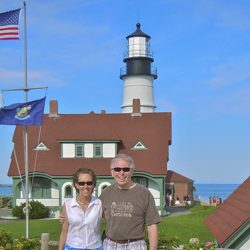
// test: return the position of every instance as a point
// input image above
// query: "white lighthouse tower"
(138, 76)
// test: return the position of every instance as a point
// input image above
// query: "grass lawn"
(187, 226)
(184, 227)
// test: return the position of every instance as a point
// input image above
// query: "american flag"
(9, 25)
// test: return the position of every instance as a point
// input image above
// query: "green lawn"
(184, 227)
(187, 226)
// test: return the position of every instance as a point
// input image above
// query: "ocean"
(204, 191)
(5, 190)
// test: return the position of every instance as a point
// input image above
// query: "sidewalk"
(5, 215)
(177, 211)
(5, 212)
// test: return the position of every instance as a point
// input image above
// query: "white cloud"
(16, 78)
(223, 13)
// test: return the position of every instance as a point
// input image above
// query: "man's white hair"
(127, 158)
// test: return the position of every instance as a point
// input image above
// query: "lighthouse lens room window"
(137, 46)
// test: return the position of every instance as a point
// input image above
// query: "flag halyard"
(9, 25)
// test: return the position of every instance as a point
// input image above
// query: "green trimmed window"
(98, 151)
(68, 191)
(141, 180)
(79, 150)
(41, 188)
(88, 149)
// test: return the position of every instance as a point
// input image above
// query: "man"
(128, 207)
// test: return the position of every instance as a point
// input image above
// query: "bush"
(8, 243)
(6, 201)
(175, 244)
(17, 211)
(27, 244)
(37, 210)
(6, 240)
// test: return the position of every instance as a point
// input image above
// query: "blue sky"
(202, 54)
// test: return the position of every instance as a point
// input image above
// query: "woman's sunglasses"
(121, 169)
(82, 183)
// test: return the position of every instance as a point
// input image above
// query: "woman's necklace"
(82, 203)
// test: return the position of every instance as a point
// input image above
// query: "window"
(41, 188)
(41, 147)
(141, 180)
(103, 187)
(88, 149)
(68, 191)
(97, 150)
(79, 150)
(139, 146)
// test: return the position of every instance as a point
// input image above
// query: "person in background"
(214, 200)
(210, 200)
(128, 207)
(82, 215)
(170, 199)
(167, 201)
(177, 202)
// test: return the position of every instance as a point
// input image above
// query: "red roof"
(232, 214)
(175, 177)
(152, 129)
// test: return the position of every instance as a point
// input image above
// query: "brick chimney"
(136, 108)
(53, 112)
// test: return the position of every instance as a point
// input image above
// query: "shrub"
(6, 201)
(17, 211)
(37, 210)
(175, 244)
(169, 244)
(6, 240)
(27, 244)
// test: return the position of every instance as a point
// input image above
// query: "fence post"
(45, 241)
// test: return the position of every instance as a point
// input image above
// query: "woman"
(83, 214)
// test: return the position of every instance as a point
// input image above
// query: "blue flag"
(30, 113)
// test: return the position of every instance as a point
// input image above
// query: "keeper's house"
(66, 142)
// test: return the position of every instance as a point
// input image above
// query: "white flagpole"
(26, 159)
(25, 89)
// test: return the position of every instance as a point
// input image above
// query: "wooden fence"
(46, 243)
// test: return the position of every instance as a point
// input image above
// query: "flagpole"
(26, 158)
(13, 18)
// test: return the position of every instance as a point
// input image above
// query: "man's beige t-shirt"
(128, 211)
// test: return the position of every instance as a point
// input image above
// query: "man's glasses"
(82, 183)
(121, 169)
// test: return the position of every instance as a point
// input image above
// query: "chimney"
(136, 108)
(53, 112)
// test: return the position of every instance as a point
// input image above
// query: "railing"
(123, 72)
(138, 53)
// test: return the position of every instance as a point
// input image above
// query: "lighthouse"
(138, 75)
